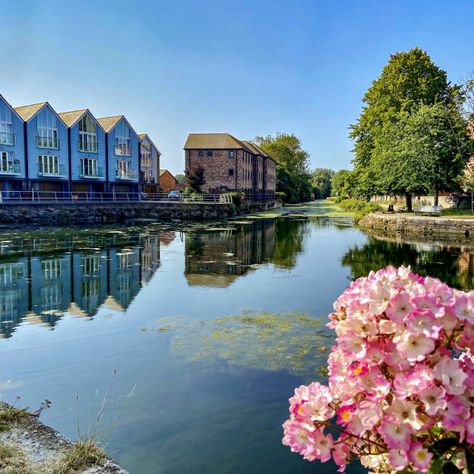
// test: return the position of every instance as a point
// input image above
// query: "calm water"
(193, 339)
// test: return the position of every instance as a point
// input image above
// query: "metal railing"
(87, 147)
(126, 175)
(98, 173)
(123, 151)
(12, 169)
(72, 197)
(7, 138)
(51, 173)
(47, 142)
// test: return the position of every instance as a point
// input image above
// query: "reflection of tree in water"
(289, 238)
(451, 265)
(293, 342)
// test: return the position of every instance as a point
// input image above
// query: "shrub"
(237, 198)
(401, 379)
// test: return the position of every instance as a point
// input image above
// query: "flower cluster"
(401, 379)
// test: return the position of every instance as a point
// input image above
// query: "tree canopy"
(321, 181)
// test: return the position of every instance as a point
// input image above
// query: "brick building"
(230, 164)
(168, 181)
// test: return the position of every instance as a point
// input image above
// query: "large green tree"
(342, 183)
(408, 82)
(293, 177)
(321, 180)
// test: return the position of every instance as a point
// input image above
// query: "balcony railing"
(45, 172)
(123, 151)
(47, 142)
(126, 175)
(7, 138)
(11, 169)
(89, 147)
(96, 173)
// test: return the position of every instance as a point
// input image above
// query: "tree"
(180, 178)
(195, 179)
(293, 177)
(321, 180)
(408, 82)
(342, 183)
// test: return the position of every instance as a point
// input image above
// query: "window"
(7, 136)
(51, 269)
(231, 172)
(122, 169)
(231, 154)
(145, 151)
(122, 140)
(89, 167)
(8, 164)
(48, 165)
(209, 153)
(87, 134)
(90, 264)
(47, 128)
(200, 153)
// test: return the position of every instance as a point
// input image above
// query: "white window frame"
(8, 162)
(123, 168)
(89, 167)
(47, 130)
(49, 165)
(7, 137)
(88, 135)
(122, 140)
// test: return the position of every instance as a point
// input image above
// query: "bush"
(237, 198)
(359, 207)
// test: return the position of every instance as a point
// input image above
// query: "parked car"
(175, 195)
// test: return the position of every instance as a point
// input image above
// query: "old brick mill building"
(230, 164)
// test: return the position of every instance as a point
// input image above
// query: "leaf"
(443, 445)
(436, 466)
(450, 468)
(469, 461)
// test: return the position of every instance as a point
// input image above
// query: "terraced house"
(230, 164)
(73, 152)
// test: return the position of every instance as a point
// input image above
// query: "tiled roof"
(197, 141)
(163, 171)
(108, 123)
(70, 118)
(145, 135)
(28, 111)
(252, 147)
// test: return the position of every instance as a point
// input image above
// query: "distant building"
(149, 164)
(230, 164)
(168, 181)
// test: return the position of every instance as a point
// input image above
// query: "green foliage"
(237, 198)
(321, 180)
(293, 177)
(342, 183)
(360, 207)
(195, 179)
(180, 178)
(410, 136)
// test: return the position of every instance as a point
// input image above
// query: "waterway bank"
(117, 213)
(426, 227)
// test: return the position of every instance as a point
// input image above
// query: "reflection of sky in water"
(195, 410)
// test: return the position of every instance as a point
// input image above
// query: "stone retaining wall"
(442, 228)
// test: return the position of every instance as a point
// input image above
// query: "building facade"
(149, 164)
(230, 164)
(168, 181)
(73, 152)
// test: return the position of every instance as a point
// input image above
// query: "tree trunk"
(409, 202)
(436, 200)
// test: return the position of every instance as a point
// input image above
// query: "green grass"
(83, 454)
(457, 213)
(10, 415)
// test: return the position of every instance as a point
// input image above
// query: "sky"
(246, 67)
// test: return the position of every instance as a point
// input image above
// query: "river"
(179, 346)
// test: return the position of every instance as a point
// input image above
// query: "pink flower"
(400, 307)
(433, 399)
(397, 459)
(299, 437)
(415, 347)
(395, 434)
(470, 430)
(420, 456)
(404, 411)
(449, 372)
(323, 445)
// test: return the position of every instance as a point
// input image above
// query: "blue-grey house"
(46, 148)
(122, 150)
(12, 154)
(87, 151)
(149, 165)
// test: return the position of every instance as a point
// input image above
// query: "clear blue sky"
(248, 67)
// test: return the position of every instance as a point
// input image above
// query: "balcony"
(89, 147)
(47, 142)
(93, 173)
(45, 172)
(10, 168)
(126, 175)
(7, 138)
(123, 151)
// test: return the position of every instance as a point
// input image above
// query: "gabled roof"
(27, 112)
(203, 141)
(72, 117)
(10, 107)
(163, 171)
(252, 147)
(146, 136)
(108, 123)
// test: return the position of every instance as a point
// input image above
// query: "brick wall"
(168, 182)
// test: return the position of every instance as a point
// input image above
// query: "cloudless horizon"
(244, 67)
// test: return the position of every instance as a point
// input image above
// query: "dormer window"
(47, 128)
(7, 137)
(87, 135)
(122, 140)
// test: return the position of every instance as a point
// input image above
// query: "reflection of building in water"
(219, 258)
(150, 258)
(40, 289)
(167, 236)
(13, 288)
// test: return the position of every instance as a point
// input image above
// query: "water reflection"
(42, 285)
